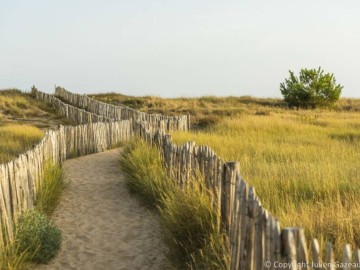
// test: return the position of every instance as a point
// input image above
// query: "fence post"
(230, 170)
(288, 247)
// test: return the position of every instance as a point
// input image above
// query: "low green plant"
(51, 187)
(37, 235)
(188, 219)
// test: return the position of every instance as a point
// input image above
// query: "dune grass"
(187, 218)
(303, 164)
(17, 139)
(51, 188)
(11, 258)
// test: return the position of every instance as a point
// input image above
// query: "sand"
(103, 226)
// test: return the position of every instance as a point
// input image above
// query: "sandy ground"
(103, 226)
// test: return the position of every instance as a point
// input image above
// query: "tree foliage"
(313, 88)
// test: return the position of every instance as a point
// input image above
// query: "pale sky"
(177, 48)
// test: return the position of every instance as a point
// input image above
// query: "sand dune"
(103, 226)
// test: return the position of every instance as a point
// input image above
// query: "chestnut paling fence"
(256, 239)
(157, 121)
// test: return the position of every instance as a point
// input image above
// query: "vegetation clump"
(37, 235)
(51, 187)
(311, 89)
(188, 219)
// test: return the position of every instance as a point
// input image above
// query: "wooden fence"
(123, 112)
(79, 116)
(256, 239)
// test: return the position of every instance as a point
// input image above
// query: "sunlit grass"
(17, 139)
(304, 165)
(187, 217)
(51, 188)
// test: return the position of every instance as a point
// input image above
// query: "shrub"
(311, 89)
(38, 235)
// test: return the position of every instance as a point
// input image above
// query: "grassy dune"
(17, 107)
(209, 109)
(304, 165)
(22, 119)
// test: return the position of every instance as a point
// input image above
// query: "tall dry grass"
(304, 165)
(187, 217)
(17, 139)
(51, 188)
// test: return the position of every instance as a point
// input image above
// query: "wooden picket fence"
(122, 112)
(75, 114)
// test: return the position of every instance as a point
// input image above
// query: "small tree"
(311, 89)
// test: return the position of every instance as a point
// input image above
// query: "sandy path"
(104, 227)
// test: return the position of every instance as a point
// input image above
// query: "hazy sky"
(177, 48)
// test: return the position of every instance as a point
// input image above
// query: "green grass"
(304, 166)
(146, 177)
(187, 217)
(17, 139)
(51, 188)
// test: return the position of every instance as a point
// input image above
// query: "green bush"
(311, 89)
(38, 235)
